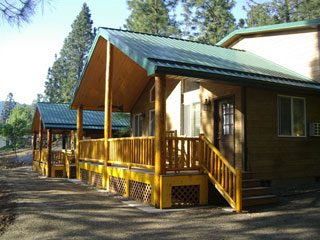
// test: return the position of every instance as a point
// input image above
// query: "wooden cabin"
(58, 119)
(201, 116)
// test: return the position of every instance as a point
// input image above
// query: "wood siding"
(297, 50)
(143, 105)
(211, 90)
(271, 157)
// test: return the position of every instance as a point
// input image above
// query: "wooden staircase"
(253, 193)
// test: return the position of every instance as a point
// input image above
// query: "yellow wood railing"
(92, 150)
(132, 151)
(182, 153)
(227, 179)
(57, 157)
(36, 155)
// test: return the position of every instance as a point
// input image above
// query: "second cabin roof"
(60, 116)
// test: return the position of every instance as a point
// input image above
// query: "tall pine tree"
(153, 16)
(66, 69)
(208, 21)
(281, 11)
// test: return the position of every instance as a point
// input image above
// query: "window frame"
(291, 116)
(150, 123)
(134, 124)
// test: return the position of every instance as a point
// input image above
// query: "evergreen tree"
(208, 21)
(153, 16)
(66, 69)
(281, 11)
(9, 105)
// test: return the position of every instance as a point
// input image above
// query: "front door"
(224, 128)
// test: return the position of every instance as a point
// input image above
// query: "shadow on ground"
(59, 209)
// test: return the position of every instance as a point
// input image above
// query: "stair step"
(247, 175)
(258, 200)
(255, 191)
(246, 183)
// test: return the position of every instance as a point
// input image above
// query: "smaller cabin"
(53, 121)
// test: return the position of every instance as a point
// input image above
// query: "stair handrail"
(230, 186)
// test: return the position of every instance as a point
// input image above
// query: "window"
(291, 116)
(228, 118)
(137, 123)
(151, 122)
(152, 94)
(192, 119)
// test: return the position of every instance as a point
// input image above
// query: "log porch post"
(40, 139)
(72, 141)
(79, 137)
(34, 144)
(49, 144)
(160, 136)
(107, 114)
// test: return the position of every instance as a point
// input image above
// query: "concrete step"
(258, 200)
(247, 183)
(246, 175)
(255, 191)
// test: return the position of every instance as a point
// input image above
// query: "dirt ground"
(8, 159)
(59, 209)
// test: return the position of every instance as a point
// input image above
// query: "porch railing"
(57, 158)
(227, 179)
(182, 153)
(132, 151)
(92, 150)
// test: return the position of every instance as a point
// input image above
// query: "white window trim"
(150, 111)
(153, 87)
(292, 127)
(134, 124)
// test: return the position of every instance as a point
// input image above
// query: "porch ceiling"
(128, 79)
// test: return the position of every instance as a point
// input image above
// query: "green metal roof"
(267, 28)
(157, 54)
(60, 116)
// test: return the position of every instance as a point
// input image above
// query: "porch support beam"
(49, 145)
(34, 144)
(72, 141)
(160, 136)
(107, 113)
(40, 138)
(79, 137)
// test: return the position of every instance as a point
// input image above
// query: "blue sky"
(27, 52)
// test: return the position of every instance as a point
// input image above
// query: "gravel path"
(59, 209)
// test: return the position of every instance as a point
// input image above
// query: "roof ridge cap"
(173, 38)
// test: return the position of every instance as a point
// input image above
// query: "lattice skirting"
(58, 173)
(117, 185)
(185, 195)
(84, 176)
(140, 191)
(96, 179)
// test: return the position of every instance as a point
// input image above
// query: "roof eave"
(245, 81)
